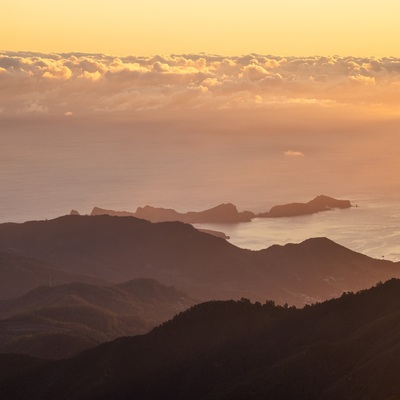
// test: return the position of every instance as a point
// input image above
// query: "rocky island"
(226, 213)
(223, 213)
(320, 203)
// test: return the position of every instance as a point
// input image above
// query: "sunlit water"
(45, 174)
(371, 228)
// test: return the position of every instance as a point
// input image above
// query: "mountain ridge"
(119, 249)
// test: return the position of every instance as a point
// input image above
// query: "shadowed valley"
(19, 274)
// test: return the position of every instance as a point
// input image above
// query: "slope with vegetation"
(345, 348)
(63, 320)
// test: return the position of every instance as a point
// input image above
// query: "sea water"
(45, 173)
(371, 227)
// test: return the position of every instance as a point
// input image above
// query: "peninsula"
(320, 203)
(223, 213)
(226, 213)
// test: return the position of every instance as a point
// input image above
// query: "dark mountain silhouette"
(224, 213)
(320, 203)
(163, 215)
(61, 321)
(205, 267)
(102, 211)
(345, 348)
(19, 274)
(214, 233)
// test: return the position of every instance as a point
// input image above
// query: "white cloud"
(61, 83)
(363, 80)
(291, 153)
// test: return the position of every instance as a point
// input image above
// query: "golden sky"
(228, 27)
(311, 86)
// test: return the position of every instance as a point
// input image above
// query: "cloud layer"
(91, 84)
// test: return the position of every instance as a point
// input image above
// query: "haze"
(92, 113)
(275, 123)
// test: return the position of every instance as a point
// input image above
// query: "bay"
(45, 171)
(371, 227)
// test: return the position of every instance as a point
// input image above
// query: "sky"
(189, 104)
(227, 27)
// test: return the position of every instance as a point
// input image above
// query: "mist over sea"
(47, 171)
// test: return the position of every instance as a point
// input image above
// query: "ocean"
(370, 227)
(45, 173)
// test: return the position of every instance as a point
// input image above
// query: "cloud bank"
(79, 84)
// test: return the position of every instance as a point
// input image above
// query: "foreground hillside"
(346, 348)
(206, 267)
(61, 321)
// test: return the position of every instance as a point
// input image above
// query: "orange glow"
(289, 27)
(90, 84)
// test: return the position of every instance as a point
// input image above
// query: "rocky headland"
(223, 213)
(319, 204)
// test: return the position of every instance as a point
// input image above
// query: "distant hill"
(223, 213)
(226, 213)
(61, 321)
(19, 274)
(345, 348)
(158, 215)
(206, 267)
(320, 203)
(102, 211)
